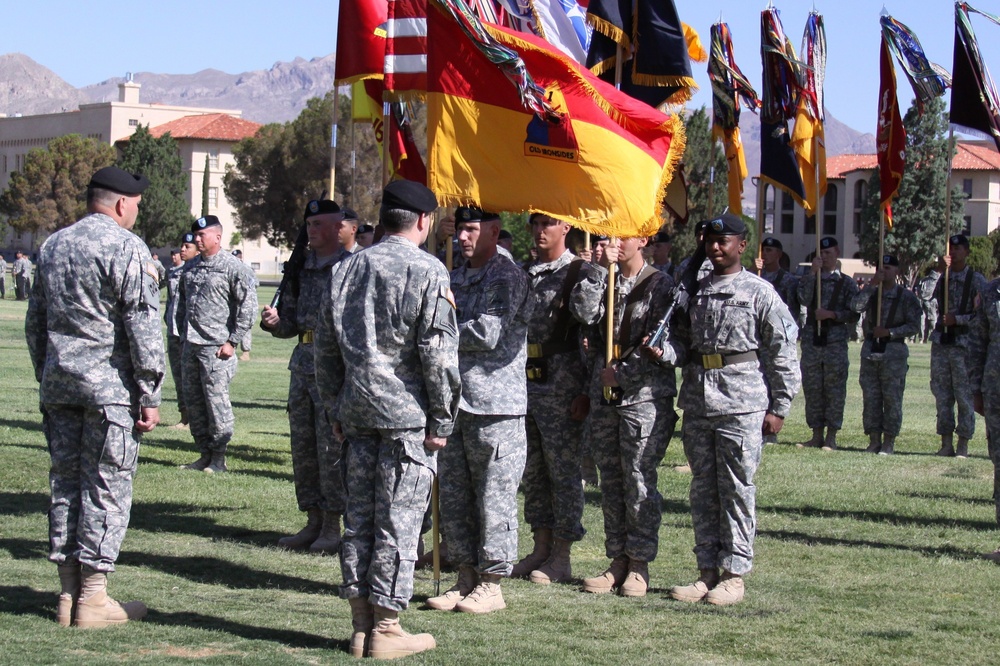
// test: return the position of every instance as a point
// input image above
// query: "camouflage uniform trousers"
(206, 390)
(882, 385)
(175, 350)
(480, 470)
(94, 452)
(628, 443)
(553, 492)
(388, 477)
(824, 383)
(724, 452)
(316, 455)
(993, 448)
(950, 386)
(246, 344)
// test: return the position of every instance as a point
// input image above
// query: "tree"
(50, 191)
(981, 255)
(205, 181)
(164, 215)
(918, 210)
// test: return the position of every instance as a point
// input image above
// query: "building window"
(967, 187)
(768, 208)
(830, 211)
(787, 213)
(255, 265)
(967, 225)
(213, 198)
(133, 122)
(213, 158)
(860, 197)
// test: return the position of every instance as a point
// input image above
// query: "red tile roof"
(209, 126)
(970, 156)
(839, 166)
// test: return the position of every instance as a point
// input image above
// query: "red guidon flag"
(890, 140)
(406, 49)
(603, 166)
(360, 40)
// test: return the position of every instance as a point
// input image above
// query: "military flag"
(562, 23)
(890, 140)
(516, 125)
(366, 106)
(406, 49)
(808, 136)
(360, 40)
(975, 106)
(927, 79)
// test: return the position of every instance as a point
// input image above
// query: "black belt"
(716, 361)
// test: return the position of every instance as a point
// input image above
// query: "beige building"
(975, 170)
(198, 131)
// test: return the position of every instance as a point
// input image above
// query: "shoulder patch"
(150, 268)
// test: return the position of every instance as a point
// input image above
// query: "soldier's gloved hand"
(772, 424)
(270, 317)
(432, 443)
(148, 418)
(225, 352)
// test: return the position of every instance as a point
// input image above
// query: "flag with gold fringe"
(730, 88)
(516, 125)
(890, 140)
(808, 136)
(975, 105)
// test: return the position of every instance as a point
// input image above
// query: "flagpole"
(354, 158)
(333, 141)
(711, 176)
(386, 157)
(609, 332)
(880, 265)
(947, 223)
(761, 202)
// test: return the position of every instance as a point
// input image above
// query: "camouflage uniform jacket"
(170, 312)
(837, 331)
(93, 324)
(22, 267)
(299, 313)
(931, 288)
(492, 347)
(567, 371)
(217, 300)
(640, 379)
(905, 323)
(787, 286)
(984, 343)
(743, 315)
(161, 272)
(387, 343)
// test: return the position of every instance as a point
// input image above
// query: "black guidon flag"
(974, 102)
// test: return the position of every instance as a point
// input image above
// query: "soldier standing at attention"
(481, 467)
(170, 319)
(557, 405)
(731, 395)
(884, 354)
(319, 486)
(93, 332)
(629, 435)
(387, 366)
(950, 344)
(662, 245)
(984, 378)
(22, 276)
(246, 344)
(348, 234)
(824, 344)
(217, 304)
(3, 278)
(769, 265)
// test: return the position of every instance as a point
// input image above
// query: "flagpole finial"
(884, 12)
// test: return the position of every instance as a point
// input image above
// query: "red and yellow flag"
(360, 40)
(604, 166)
(890, 141)
(405, 160)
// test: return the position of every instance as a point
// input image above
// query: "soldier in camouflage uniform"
(386, 352)
(217, 305)
(950, 344)
(884, 353)
(629, 437)
(174, 344)
(731, 395)
(824, 344)
(22, 276)
(557, 405)
(3, 278)
(93, 332)
(482, 465)
(929, 305)
(984, 378)
(319, 486)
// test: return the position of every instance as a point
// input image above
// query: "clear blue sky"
(86, 43)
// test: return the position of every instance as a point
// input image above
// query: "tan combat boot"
(69, 582)
(201, 463)
(874, 443)
(557, 568)
(362, 621)
(888, 446)
(537, 557)
(305, 536)
(389, 641)
(815, 442)
(611, 579)
(485, 598)
(962, 450)
(328, 541)
(245, 356)
(729, 591)
(465, 584)
(183, 425)
(637, 581)
(830, 443)
(95, 609)
(218, 464)
(946, 450)
(697, 590)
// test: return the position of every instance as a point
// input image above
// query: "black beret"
(349, 213)
(661, 237)
(889, 260)
(408, 195)
(114, 179)
(205, 223)
(366, 229)
(473, 214)
(237, 253)
(597, 238)
(320, 207)
(504, 234)
(959, 239)
(700, 227)
(188, 238)
(726, 224)
(827, 242)
(771, 241)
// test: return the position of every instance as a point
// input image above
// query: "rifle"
(681, 294)
(291, 268)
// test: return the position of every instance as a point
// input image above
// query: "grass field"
(861, 559)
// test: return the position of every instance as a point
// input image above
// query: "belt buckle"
(534, 350)
(616, 352)
(306, 338)
(711, 361)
